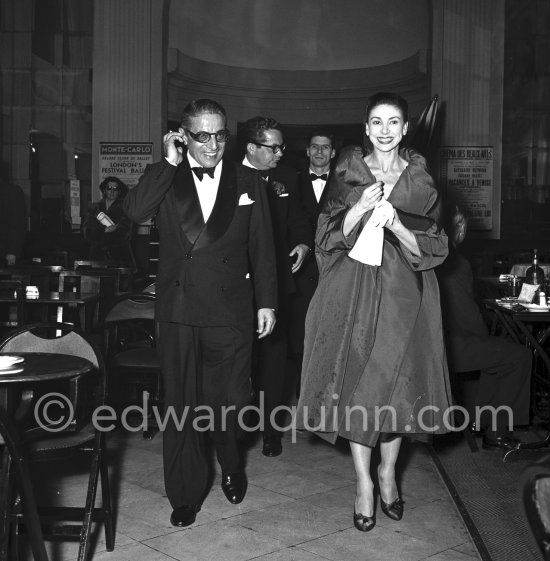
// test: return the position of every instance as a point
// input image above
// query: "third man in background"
(312, 190)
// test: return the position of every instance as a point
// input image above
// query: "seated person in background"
(109, 242)
(13, 223)
(505, 366)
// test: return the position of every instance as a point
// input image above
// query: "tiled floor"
(298, 508)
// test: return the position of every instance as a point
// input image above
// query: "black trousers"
(270, 376)
(505, 377)
(205, 370)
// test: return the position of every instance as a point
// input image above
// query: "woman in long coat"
(110, 242)
(374, 362)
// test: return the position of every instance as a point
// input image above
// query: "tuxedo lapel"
(187, 203)
(224, 207)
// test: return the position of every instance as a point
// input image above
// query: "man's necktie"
(323, 176)
(199, 172)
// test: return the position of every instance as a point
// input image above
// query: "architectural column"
(129, 81)
(467, 73)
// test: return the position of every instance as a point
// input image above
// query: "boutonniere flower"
(279, 188)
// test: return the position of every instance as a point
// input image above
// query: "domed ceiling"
(300, 34)
(301, 61)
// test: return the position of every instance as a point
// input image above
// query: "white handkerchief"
(283, 195)
(245, 200)
(369, 245)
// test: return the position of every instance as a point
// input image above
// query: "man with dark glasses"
(293, 241)
(216, 261)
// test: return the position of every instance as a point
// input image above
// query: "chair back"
(84, 393)
(71, 281)
(130, 320)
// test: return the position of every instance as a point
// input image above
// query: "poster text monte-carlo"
(466, 174)
(125, 160)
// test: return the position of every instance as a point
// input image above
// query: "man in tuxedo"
(505, 366)
(293, 242)
(312, 191)
(216, 259)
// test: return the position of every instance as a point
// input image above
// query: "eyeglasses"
(111, 188)
(203, 137)
(273, 147)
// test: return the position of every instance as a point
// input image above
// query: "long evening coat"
(373, 334)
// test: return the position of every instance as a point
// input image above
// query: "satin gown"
(374, 357)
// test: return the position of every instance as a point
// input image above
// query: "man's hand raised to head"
(173, 153)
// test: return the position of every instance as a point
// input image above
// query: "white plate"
(7, 361)
(535, 307)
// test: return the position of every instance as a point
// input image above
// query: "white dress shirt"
(318, 186)
(249, 165)
(207, 189)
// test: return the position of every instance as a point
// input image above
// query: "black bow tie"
(323, 176)
(199, 172)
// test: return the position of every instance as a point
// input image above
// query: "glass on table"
(513, 287)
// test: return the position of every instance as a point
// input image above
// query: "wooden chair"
(15, 469)
(96, 282)
(81, 437)
(131, 354)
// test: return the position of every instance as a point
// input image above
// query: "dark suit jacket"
(308, 276)
(290, 224)
(208, 273)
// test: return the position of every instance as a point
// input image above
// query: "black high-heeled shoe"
(363, 523)
(393, 510)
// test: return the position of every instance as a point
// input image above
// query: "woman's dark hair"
(122, 189)
(386, 98)
(199, 107)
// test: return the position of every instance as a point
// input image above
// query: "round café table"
(31, 371)
(36, 368)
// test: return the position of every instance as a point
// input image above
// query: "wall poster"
(125, 160)
(466, 173)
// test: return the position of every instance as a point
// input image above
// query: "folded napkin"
(528, 292)
(369, 245)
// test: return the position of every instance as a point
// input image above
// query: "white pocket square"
(245, 200)
(283, 195)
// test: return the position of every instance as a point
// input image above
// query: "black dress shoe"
(272, 446)
(234, 487)
(393, 510)
(184, 515)
(363, 523)
(500, 442)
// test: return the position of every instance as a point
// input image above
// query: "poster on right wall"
(466, 174)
